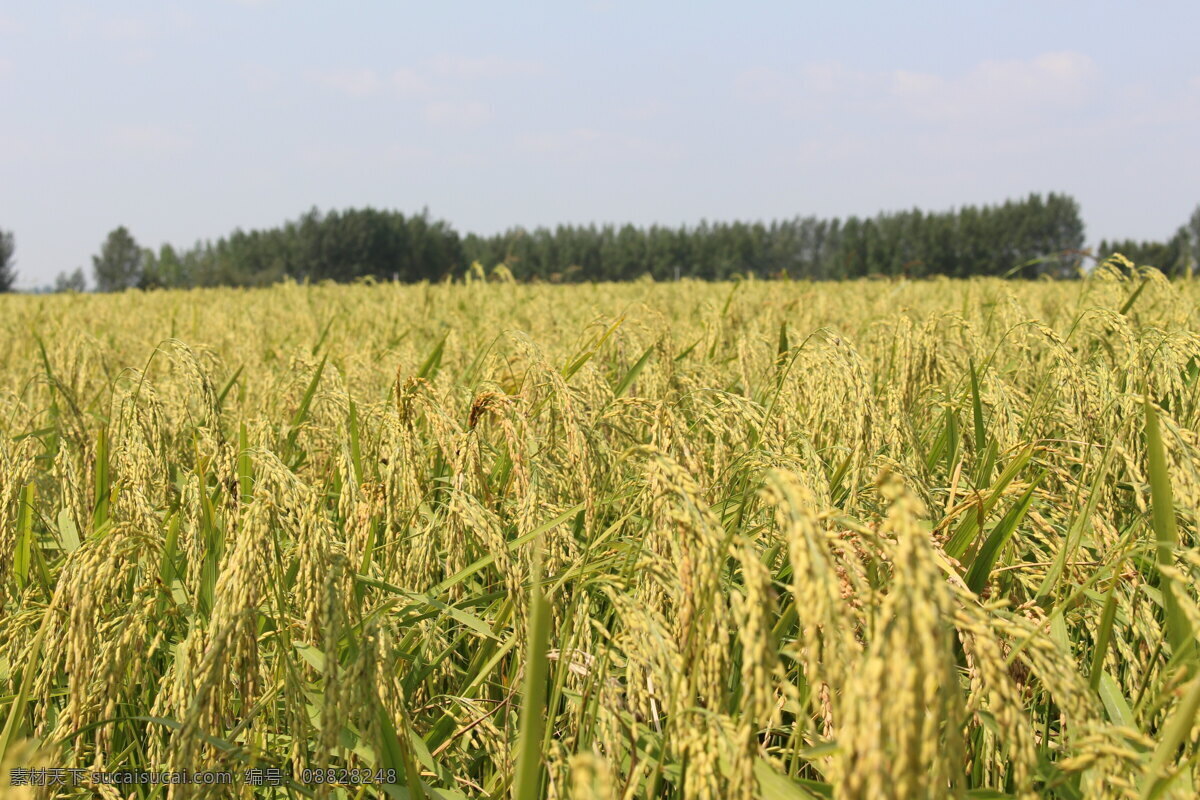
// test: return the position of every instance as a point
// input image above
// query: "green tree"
(120, 263)
(8, 275)
(71, 282)
(1189, 234)
(162, 269)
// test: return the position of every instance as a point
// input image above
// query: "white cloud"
(78, 23)
(993, 90)
(136, 56)
(832, 77)
(8, 25)
(321, 155)
(353, 82)
(406, 154)
(150, 139)
(997, 89)
(6, 68)
(644, 111)
(366, 82)
(761, 84)
(593, 144)
(409, 82)
(440, 106)
(442, 78)
(483, 68)
(560, 142)
(260, 77)
(458, 114)
(126, 29)
(915, 84)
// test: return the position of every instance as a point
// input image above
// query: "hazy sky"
(184, 120)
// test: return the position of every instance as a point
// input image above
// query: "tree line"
(972, 240)
(1031, 237)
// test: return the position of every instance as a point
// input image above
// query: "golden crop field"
(764, 539)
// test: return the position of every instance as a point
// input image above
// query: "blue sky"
(184, 120)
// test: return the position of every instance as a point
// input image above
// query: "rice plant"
(619, 541)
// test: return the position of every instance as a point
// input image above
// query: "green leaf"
(68, 533)
(395, 753)
(487, 561)
(312, 655)
(24, 543)
(467, 619)
(1179, 629)
(977, 415)
(527, 777)
(1103, 634)
(965, 533)
(774, 786)
(16, 711)
(687, 350)
(1115, 704)
(1177, 729)
(577, 363)
(985, 559)
(1075, 532)
(101, 482)
(245, 466)
(302, 413)
(634, 371)
(355, 445)
(167, 570)
(1128, 304)
(433, 362)
(229, 385)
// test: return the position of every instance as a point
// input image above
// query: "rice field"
(678, 540)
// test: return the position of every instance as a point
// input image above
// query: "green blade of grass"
(101, 482)
(245, 467)
(977, 417)
(324, 334)
(433, 361)
(774, 786)
(577, 363)
(1115, 704)
(16, 711)
(396, 753)
(630, 376)
(1179, 629)
(68, 533)
(687, 350)
(965, 534)
(989, 551)
(487, 561)
(301, 414)
(465, 618)
(1075, 533)
(527, 777)
(355, 444)
(1128, 304)
(1103, 634)
(24, 544)
(167, 569)
(1177, 729)
(229, 385)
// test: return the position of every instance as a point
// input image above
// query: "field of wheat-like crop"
(780, 540)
